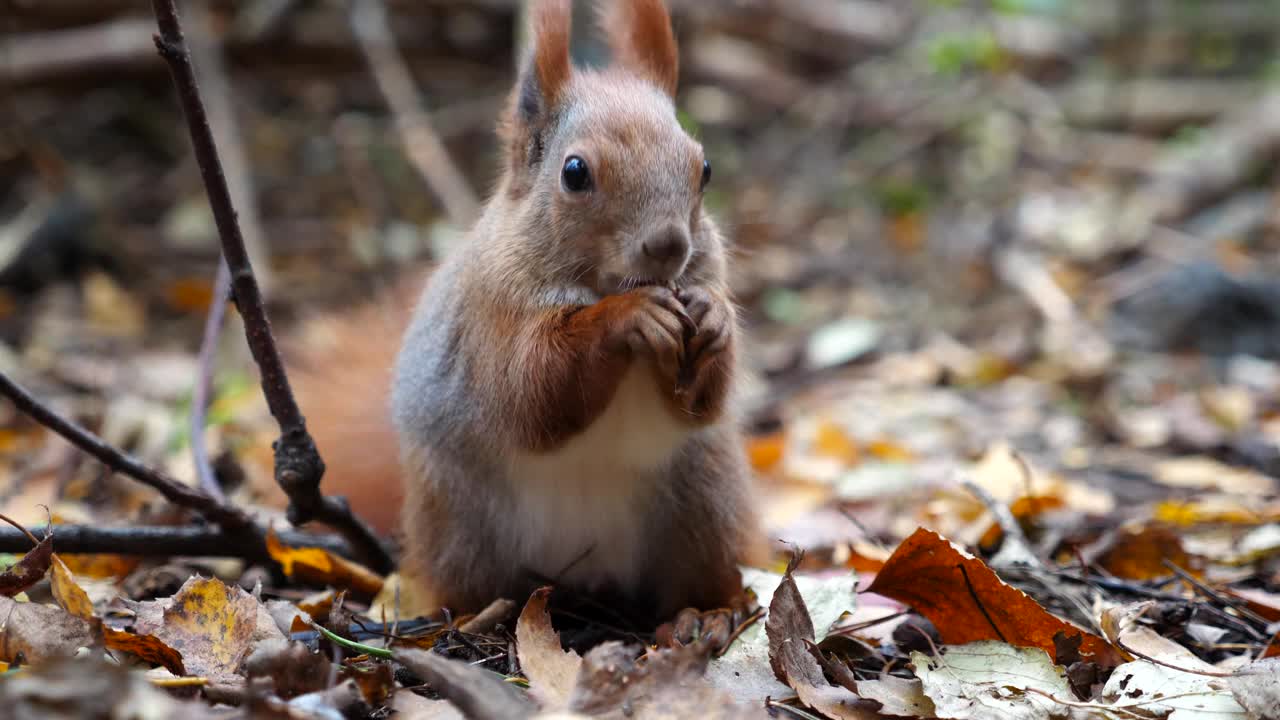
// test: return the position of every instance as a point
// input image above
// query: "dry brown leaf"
(36, 633)
(313, 565)
(551, 670)
(967, 602)
(790, 631)
(1140, 554)
(1257, 688)
(292, 668)
(29, 570)
(92, 688)
(408, 706)
(211, 624)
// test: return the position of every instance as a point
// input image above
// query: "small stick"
(172, 490)
(204, 381)
(165, 541)
(298, 466)
(421, 142)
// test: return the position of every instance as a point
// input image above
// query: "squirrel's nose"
(668, 246)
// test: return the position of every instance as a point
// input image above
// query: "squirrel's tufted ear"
(544, 73)
(640, 37)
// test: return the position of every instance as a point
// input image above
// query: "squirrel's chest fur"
(581, 510)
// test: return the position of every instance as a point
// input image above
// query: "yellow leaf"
(314, 565)
(69, 595)
(890, 451)
(832, 442)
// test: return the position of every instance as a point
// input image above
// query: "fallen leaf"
(101, 566)
(1206, 473)
(766, 451)
(37, 633)
(1257, 687)
(146, 647)
(665, 683)
(989, 679)
(1141, 554)
(478, 693)
(314, 565)
(70, 689)
(900, 697)
(211, 624)
(890, 451)
(29, 570)
(830, 440)
(968, 602)
(401, 599)
(69, 595)
(790, 631)
(1173, 694)
(292, 667)
(551, 670)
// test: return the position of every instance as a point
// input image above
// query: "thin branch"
(298, 466)
(420, 140)
(174, 491)
(165, 541)
(204, 381)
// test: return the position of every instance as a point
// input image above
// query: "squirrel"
(562, 397)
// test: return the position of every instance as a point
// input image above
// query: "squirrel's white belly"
(579, 511)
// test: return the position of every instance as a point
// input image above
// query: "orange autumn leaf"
(314, 565)
(190, 294)
(968, 602)
(147, 647)
(765, 452)
(1141, 554)
(1265, 604)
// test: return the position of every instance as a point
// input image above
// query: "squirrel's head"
(599, 167)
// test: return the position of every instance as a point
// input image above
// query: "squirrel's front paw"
(707, 364)
(653, 323)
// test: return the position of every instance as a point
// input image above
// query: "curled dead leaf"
(35, 633)
(29, 570)
(551, 670)
(790, 631)
(968, 602)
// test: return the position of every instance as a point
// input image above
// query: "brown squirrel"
(562, 394)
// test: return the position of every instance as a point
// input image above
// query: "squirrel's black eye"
(706, 172)
(575, 176)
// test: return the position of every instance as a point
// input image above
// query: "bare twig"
(423, 145)
(174, 491)
(298, 466)
(164, 541)
(204, 381)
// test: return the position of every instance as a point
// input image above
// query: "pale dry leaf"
(37, 633)
(551, 670)
(1174, 694)
(72, 689)
(900, 697)
(1206, 473)
(989, 679)
(1257, 688)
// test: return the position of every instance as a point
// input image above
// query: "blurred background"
(956, 224)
